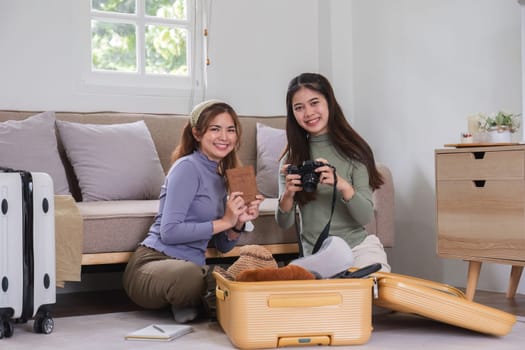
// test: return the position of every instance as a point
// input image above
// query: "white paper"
(160, 332)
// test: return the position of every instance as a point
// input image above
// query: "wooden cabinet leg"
(474, 267)
(515, 275)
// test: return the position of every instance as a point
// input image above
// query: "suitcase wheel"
(43, 324)
(6, 329)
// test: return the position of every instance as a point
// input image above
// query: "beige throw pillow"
(113, 162)
(31, 145)
(270, 144)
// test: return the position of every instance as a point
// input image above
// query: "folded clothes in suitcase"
(440, 302)
(272, 314)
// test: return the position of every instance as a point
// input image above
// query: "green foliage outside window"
(122, 6)
(166, 50)
(166, 8)
(114, 43)
(113, 46)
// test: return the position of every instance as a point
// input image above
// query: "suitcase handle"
(305, 300)
(293, 300)
(221, 294)
(306, 340)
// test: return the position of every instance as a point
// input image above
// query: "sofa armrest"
(383, 225)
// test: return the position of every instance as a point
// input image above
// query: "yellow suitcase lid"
(440, 302)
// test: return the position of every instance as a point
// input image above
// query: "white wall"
(256, 47)
(35, 68)
(406, 72)
(420, 68)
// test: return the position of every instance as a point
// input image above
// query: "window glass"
(152, 41)
(142, 48)
(121, 6)
(166, 50)
(113, 46)
(174, 9)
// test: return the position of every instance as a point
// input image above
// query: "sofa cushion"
(268, 207)
(116, 226)
(31, 144)
(383, 223)
(270, 145)
(113, 162)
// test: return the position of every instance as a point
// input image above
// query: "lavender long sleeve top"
(192, 196)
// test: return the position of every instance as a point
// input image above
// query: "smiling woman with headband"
(169, 266)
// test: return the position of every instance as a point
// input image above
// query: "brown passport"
(242, 179)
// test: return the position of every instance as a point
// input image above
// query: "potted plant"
(499, 126)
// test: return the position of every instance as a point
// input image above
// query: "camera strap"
(326, 230)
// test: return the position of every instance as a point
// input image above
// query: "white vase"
(499, 136)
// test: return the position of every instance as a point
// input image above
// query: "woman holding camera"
(320, 140)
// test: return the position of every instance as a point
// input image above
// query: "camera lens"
(310, 181)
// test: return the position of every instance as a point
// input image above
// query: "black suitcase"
(27, 250)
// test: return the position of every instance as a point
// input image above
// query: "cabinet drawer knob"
(479, 155)
(479, 183)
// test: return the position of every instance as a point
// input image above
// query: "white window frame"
(139, 83)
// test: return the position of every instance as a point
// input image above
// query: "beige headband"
(198, 109)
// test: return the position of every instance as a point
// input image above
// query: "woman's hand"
(327, 175)
(252, 210)
(235, 206)
(293, 182)
(292, 186)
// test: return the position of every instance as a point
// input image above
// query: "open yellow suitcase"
(283, 313)
(440, 302)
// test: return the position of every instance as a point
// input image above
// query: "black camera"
(309, 178)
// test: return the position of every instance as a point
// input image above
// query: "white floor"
(391, 331)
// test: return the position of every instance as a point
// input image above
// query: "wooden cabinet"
(480, 202)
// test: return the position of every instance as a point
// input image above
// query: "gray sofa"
(112, 229)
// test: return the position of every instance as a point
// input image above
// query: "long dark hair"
(188, 143)
(345, 139)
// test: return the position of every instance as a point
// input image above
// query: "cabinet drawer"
(480, 165)
(481, 219)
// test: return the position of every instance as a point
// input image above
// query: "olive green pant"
(154, 280)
